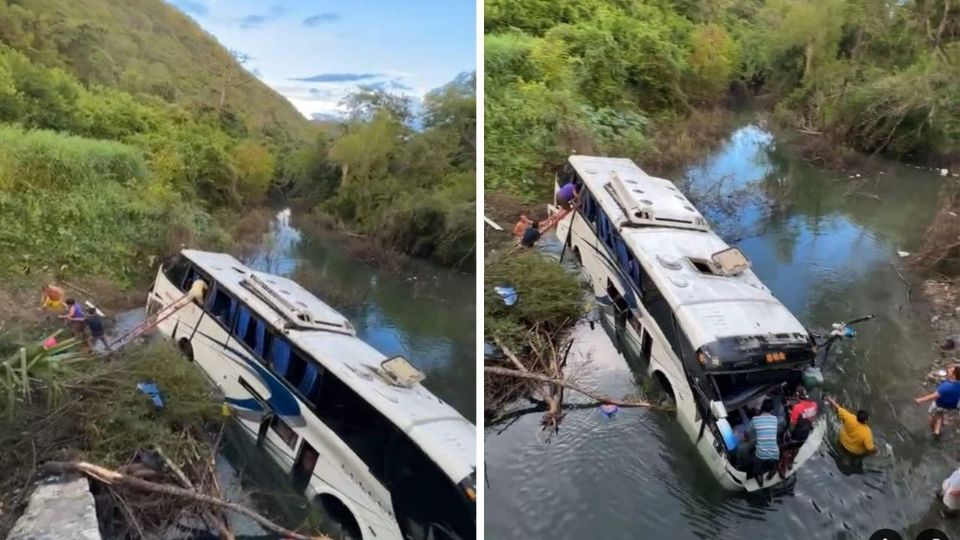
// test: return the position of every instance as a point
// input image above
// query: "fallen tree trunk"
(115, 478)
(567, 384)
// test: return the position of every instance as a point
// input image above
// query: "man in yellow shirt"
(855, 435)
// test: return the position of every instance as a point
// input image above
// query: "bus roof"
(708, 304)
(647, 200)
(436, 427)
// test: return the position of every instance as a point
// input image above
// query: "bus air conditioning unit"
(297, 315)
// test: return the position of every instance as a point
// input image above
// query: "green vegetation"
(643, 78)
(147, 48)
(412, 189)
(82, 408)
(549, 298)
(126, 131)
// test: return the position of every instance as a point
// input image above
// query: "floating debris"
(507, 293)
(153, 392)
(609, 409)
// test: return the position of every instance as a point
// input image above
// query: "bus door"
(627, 328)
(273, 433)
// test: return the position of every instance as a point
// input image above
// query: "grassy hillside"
(114, 145)
(147, 47)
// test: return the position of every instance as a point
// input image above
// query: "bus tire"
(576, 255)
(186, 349)
(664, 384)
(341, 516)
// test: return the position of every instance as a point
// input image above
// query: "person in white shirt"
(950, 493)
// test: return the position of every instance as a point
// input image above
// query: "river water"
(826, 245)
(423, 312)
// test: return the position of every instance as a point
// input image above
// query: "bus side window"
(633, 270)
(221, 305)
(623, 257)
(176, 271)
(361, 426)
(192, 275)
(280, 355)
(312, 378)
(298, 367)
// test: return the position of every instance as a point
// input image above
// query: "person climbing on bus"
(802, 415)
(75, 318)
(531, 235)
(51, 299)
(766, 453)
(198, 290)
(855, 435)
(945, 398)
(567, 195)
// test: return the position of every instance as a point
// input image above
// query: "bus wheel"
(185, 348)
(343, 525)
(663, 384)
(576, 255)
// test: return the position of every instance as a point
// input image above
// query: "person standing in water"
(945, 398)
(949, 494)
(855, 437)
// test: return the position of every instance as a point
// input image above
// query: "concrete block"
(59, 510)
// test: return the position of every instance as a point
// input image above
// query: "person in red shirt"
(802, 415)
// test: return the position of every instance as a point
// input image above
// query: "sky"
(315, 52)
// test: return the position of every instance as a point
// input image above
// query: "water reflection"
(424, 313)
(826, 245)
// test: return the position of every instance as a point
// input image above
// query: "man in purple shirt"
(566, 195)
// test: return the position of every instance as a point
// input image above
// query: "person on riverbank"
(95, 324)
(521, 225)
(566, 195)
(855, 437)
(51, 299)
(75, 318)
(531, 235)
(945, 398)
(766, 452)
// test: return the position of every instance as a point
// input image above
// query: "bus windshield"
(738, 388)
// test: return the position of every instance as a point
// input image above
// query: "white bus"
(354, 429)
(688, 310)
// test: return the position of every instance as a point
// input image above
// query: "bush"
(548, 295)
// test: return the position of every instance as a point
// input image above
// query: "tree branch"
(567, 384)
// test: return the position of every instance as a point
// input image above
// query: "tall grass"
(91, 205)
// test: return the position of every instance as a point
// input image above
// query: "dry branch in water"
(117, 479)
(567, 384)
(218, 521)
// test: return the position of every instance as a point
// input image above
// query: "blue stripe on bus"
(281, 400)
